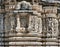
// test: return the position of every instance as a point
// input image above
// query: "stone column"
(12, 22)
(18, 23)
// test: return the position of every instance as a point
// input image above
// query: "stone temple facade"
(29, 23)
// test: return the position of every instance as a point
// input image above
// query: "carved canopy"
(23, 5)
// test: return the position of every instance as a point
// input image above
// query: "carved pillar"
(36, 23)
(31, 28)
(12, 21)
(39, 23)
(18, 23)
(29, 25)
(7, 22)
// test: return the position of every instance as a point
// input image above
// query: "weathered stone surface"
(29, 25)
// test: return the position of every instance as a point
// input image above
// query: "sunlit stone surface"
(29, 23)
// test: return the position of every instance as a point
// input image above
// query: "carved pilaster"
(31, 24)
(36, 23)
(7, 23)
(18, 23)
(39, 24)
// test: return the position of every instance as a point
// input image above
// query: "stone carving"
(49, 27)
(55, 27)
(52, 26)
(31, 23)
(35, 24)
(24, 5)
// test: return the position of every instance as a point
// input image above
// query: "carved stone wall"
(30, 25)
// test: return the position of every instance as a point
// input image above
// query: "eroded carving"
(52, 26)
